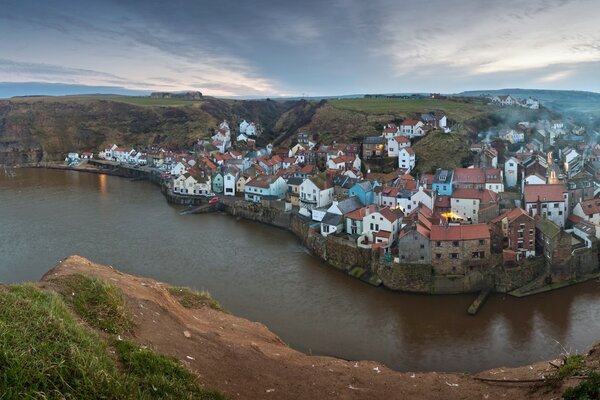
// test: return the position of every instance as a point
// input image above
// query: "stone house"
(413, 242)
(556, 246)
(458, 249)
(373, 146)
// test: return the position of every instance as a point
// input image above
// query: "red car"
(213, 200)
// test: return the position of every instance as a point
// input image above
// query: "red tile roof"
(459, 232)
(484, 195)
(544, 192)
(402, 139)
(357, 215)
(409, 150)
(591, 206)
(410, 122)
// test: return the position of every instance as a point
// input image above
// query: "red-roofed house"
(412, 128)
(589, 210)
(458, 249)
(547, 201)
(395, 144)
(380, 225)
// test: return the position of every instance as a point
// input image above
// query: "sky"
(307, 47)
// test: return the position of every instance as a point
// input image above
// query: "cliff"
(240, 358)
(45, 128)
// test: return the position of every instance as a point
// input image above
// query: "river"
(265, 274)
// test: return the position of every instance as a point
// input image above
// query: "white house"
(391, 131)
(381, 225)
(315, 192)
(243, 126)
(264, 187)
(395, 144)
(230, 179)
(409, 200)
(251, 129)
(412, 128)
(532, 179)
(589, 210)
(178, 169)
(549, 201)
(406, 158)
(511, 171)
(190, 185)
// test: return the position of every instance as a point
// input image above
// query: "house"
(511, 171)
(381, 225)
(489, 157)
(478, 178)
(334, 221)
(342, 185)
(589, 210)
(548, 201)
(192, 185)
(506, 100)
(587, 232)
(514, 230)
(572, 162)
(364, 190)
(354, 221)
(372, 146)
(412, 128)
(240, 185)
(217, 183)
(474, 205)
(406, 158)
(555, 245)
(315, 192)
(395, 144)
(409, 200)
(264, 187)
(230, 179)
(442, 183)
(292, 194)
(344, 162)
(414, 245)
(87, 155)
(179, 169)
(458, 249)
(390, 131)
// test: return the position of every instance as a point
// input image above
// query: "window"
(422, 246)
(481, 242)
(455, 243)
(438, 244)
(454, 256)
(438, 255)
(555, 205)
(371, 226)
(560, 213)
(422, 258)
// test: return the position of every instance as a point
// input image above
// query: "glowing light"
(450, 215)
(102, 179)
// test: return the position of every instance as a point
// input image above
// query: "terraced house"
(458, 249)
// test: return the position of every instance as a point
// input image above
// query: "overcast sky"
(312, 47)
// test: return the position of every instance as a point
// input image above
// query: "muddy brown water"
(265, 274)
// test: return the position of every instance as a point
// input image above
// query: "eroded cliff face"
(45, 129)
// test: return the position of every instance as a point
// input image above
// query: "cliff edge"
(243, 359)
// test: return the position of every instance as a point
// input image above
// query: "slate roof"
(349, 205)
(332, 219)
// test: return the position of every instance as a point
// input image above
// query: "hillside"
(34, 129)
(109, 347)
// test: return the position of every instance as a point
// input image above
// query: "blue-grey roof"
(350, 204)
(332, 219)
(373, 140)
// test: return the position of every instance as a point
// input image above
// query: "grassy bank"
(48, 349)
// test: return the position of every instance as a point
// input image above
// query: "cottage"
(474, 205)
(395, 144)
(381, 225)
(511, 171)
(230, 180)
(315, 192)
(442, 183)
(364, 190)
(414, 246)
(406, 158)
(292, 195)
(589, 210)
(264, 187)
(412, 128)
(373, 146)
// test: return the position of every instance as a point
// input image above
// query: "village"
(530, 196)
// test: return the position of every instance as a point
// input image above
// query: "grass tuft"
(100, 304)
(157, 376)
(573, 364)
(190, 298)
(45, 353)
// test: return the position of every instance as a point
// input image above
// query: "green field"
(133, 100)
(455, 109)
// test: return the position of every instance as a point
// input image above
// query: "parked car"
(213, 200)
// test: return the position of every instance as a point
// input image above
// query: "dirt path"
(245, 360)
